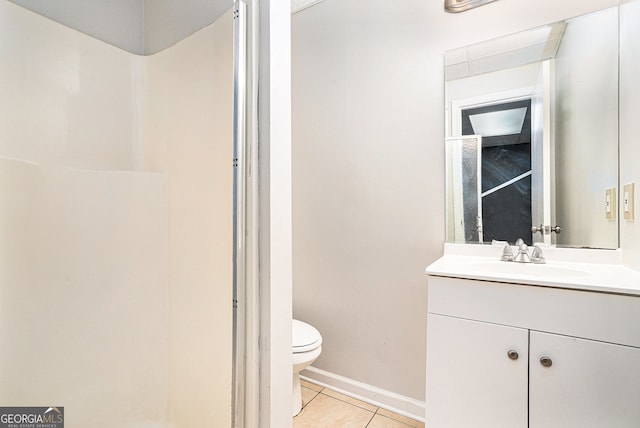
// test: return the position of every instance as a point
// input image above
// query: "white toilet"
(306, 348)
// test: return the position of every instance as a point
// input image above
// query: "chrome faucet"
(523, 253)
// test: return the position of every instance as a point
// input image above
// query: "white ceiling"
(139, 26)
(142, 27)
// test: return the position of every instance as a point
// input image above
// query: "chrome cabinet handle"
(536, 229)
(513, 355)
(546, 362)
(556, 229)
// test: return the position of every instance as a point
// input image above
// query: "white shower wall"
(115, 226)
(188, 135)
(67, 99)
(84, 293)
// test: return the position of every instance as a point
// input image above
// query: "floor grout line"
(313, 398)
(351, 404)
(373, 413)
(372, 416)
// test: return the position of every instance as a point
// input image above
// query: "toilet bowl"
(306, 347)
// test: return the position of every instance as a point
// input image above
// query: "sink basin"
(529, 269)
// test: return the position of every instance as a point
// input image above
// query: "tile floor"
(324, 408)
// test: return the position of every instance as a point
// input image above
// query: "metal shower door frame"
(245, 358)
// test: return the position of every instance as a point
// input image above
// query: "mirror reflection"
(532, 135)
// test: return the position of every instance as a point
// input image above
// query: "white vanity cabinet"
(589, 383)
(471, 380)
(511, 355)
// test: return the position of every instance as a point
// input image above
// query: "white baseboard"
(379, 397)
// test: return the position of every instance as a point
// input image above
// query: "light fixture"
(462, 5)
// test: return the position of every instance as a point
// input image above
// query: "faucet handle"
(537, 256)
(507, 253)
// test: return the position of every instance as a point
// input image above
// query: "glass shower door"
(464, 188)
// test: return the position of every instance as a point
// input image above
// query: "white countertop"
(592, 270)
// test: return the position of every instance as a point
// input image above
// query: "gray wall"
(629, 113)
(362, 223)
(368, 171)
(578, 102)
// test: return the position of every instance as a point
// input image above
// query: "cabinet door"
(588, 384)
(472, 379)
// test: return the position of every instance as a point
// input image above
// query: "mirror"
(532, 135)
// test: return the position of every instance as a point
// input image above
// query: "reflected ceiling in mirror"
(514, 50)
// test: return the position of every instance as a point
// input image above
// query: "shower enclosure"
(116, 225)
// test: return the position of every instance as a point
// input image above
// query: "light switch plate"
(628, 201)
(610, 204)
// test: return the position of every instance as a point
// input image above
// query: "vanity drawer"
(605, 317)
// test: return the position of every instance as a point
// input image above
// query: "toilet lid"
(305, 337)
